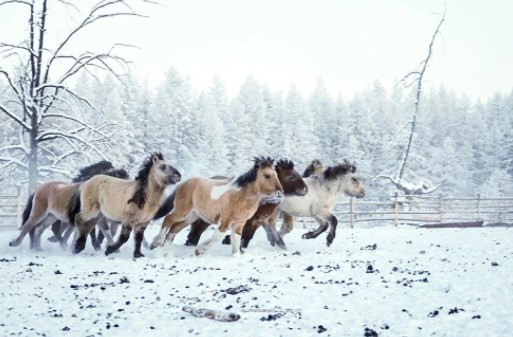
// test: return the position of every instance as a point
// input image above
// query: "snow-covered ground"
(377, 281)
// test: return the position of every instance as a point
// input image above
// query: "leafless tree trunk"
(40, 88)
(414, 78)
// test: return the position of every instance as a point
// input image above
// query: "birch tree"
(39, 76)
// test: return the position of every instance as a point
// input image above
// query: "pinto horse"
(229, 202)
(292, 184)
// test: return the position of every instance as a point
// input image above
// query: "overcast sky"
(349, 43)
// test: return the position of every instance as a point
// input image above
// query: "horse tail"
(73, 207)
(166, 207)
(28, 209)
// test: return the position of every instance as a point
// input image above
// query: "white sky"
(349, 43)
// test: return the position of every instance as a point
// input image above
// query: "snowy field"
(371, 282)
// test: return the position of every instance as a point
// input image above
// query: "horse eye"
(163, 167)
(354, 179)
(266, 176)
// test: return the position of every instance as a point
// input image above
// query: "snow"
(393, 281)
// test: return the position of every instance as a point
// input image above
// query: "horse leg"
(35, 218)
(32, 238)
(83, 228)
(273, 236)
(123, 237)
(56, 230)
(94, 240)
(197, 228)
(139, 237)
(65, 237)
(169, 221)
(248, 231)
(333, 228)
(323, 226)
(39, 229)
(236, 237)
(287, 224)
(216, 236)
(175, 229)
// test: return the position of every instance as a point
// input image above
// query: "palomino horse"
(131, 202)
(230, 203)
(313, 169)
(292, 184)
(48, 203)
(323, 191)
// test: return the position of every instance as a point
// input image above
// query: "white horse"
(323, 191)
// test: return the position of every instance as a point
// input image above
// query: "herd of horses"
(104, 197)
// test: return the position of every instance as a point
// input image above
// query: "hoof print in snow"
(309, 268)
(321, 329)
(476, 317)
(66, 328)
(124, 279)
(370, 333)
(455, 311)
(371, 270)
(370, 247)
(271, 317)
(495, 264)
(57, 272)
(433, 313)
(236, 290)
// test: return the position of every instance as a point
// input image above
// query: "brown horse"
(227, 202)
(133, 203)
(292, 184)
(313, 169)
(48, 203)
(323, 191)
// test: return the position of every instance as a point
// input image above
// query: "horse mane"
(139, 197)
(87, 172)
(118, 173)
(285, 164)
(251, 175)
(334, 172)
(310, 169)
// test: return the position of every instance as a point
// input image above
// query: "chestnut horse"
(292, 184)
(47, 205)
(229, 202)
(133, 203)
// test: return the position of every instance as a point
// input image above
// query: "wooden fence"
(369, 211)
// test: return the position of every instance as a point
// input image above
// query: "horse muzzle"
(302, 192)
(174, 178)
(274, 198)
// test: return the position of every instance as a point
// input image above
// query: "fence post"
(19, 206)
(351, 212)
(396, 209)
(478, 206)
(440, 207)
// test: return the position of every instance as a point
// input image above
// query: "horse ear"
(154, 159)
(353, 168)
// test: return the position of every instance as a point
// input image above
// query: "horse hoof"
(227, 240)
(306, 236)
(97, 248)
(190, 243)
(138, 255)
(198, 251)
(77, 250)
(13, 244)
(53, 239)
(330, 239)
(110, 250)
(155, 244)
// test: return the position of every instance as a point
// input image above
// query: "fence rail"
(371, 210)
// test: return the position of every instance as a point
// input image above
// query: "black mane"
(118, 173)
(285, 164)
(139, 197)
(251, 175)
(334, 172)
(87, 172)
(311, 168)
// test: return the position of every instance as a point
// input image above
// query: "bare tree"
(414, 78)
(40, 100)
